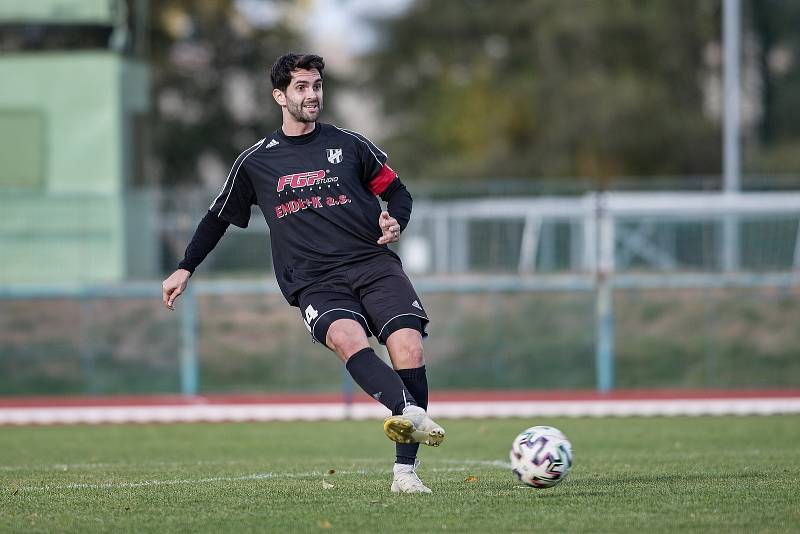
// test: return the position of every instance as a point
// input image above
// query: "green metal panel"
(142, 255)
(57, 11)
(51, 238)
(21, 149)
(79, 96)
(77, 224)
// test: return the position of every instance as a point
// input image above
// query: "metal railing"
(611, 242)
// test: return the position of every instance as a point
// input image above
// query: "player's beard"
(300, 113)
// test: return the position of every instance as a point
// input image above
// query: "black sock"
(379, 380)
(416, 381)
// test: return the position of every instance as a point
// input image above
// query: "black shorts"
(376, 293)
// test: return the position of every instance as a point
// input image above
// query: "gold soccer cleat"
(414, 426)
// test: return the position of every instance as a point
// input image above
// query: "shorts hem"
(316, 322)
(400, 315)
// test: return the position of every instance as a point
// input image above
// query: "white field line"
(359, 411)
(255, 476)
(180, 465)
(118, 465)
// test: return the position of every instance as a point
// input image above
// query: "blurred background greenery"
(606, 92)
(119, 120)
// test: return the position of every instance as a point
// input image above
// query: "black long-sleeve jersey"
(318, 195)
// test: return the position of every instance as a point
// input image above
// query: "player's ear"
(279, 96)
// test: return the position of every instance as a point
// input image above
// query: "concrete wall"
(66, 214)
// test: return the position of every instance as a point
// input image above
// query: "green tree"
(548, 88)
(201, 52)
(776, 148)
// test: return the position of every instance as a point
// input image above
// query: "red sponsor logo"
(299, 204)
(301, 179)
(296, 205)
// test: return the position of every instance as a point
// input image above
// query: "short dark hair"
(281, 72)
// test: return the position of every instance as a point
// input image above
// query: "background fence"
(603, 290)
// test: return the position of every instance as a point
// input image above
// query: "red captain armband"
(381, 181)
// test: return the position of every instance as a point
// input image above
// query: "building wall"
(65, 205)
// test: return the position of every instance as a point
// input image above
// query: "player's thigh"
(320, 310)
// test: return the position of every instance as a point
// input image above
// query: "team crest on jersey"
(334, 155)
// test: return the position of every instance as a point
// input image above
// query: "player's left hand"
(390, 228)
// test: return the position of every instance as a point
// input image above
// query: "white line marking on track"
(337, 411)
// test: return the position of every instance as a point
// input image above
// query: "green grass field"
(724, 474)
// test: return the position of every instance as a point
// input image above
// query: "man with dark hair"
(316, 185)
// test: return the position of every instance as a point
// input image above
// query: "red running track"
(466, 396)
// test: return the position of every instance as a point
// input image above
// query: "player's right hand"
(172, 287)
(389, 227)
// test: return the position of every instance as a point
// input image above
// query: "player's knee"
(346, 337)
(414, 356)
(336, 328)
(405, 348)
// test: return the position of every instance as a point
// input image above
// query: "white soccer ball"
(541, 456)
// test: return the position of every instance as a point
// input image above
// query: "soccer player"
(316, 185)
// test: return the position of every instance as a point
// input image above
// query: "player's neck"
(293, 128)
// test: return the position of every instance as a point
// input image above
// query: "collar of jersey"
(301, 139)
